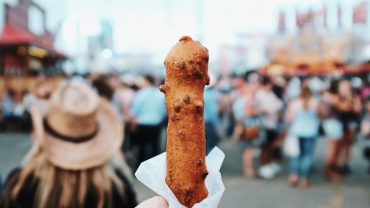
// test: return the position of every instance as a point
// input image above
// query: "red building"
(22, 51)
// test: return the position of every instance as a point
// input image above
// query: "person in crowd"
(106, 91)
(348, 106)
(211, 116)
(8, 106)
(279, 89)
(19, 109)
(148, 110)
(303, 117)
(279, 86)
(316, 85)
(293, 89)
(103, 88)
(28, 99)
(42, 93)
(38, 101)
(69, 162)
(365, 91)
(91, 77)
(248, 124)
(333, 130)
(123, 96)
(229, 89)
(26, 103)
(21, 113)
(270, 107)
(365, 131)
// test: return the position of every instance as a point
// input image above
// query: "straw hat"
(80, 130)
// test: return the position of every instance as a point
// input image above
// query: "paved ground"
(354, 192)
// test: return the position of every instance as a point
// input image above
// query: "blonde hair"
(306, 95)
(64, 188)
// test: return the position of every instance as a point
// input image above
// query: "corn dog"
(186, 75)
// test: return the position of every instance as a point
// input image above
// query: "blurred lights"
(356, 82)
(37, 52)
(22, 51)
(35, 64)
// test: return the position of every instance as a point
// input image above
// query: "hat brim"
(92, 153)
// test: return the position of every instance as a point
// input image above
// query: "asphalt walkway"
(353, 192)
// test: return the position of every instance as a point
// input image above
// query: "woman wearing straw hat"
(69, 163)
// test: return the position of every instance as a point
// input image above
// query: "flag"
(360, 13)
(299, 19)
(339, 12)
(325, 16)
(281, 23)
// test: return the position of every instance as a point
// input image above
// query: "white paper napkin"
(152, 173)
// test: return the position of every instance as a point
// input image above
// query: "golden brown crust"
(186, 75)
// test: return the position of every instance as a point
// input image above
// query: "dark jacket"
(26, 196)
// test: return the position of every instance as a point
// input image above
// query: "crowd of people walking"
(291, 115)
(91, 132)
(266, 115)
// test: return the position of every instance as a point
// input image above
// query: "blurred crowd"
(16, 106)
(276, 115)
(269, 118)
(266, 116)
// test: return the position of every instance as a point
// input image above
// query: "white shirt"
(148, 106)
(270, 105)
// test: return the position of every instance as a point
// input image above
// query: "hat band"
(62, 137)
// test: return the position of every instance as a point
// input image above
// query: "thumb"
(155, 202)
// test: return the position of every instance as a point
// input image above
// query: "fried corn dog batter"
(186, 75)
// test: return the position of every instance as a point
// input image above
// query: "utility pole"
(199, 9)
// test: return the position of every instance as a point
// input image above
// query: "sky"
(151, 25)
(154, 26)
